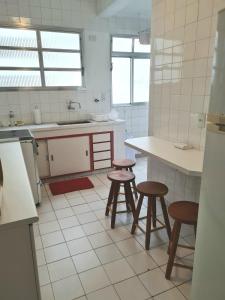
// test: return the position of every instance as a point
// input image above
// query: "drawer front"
(101, 147)
(102, 137)
(102, 155)
(102, 164)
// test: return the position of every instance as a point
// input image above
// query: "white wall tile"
(172, 115)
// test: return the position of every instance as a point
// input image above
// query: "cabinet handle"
(52, 157)
(86, 152)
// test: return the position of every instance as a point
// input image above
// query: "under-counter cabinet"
(69, 152)
(69, 155)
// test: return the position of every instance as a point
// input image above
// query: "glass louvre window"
(61, 60)
(60, 40)
(39, 59)
(18, 38)
(63, 78)
(12, 79)
(130, 71)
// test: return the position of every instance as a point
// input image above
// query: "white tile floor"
(80, 257)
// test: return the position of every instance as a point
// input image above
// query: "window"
(39, 59)
(130, 70)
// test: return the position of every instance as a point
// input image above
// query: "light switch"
(198, 120)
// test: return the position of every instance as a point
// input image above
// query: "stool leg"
(173, 248)
(137, 213)
(170, 242)
(110, 198)
(154, 212)
(148, 224)
(134, 185)
(129, 197)
(115, 198)
(165, 215)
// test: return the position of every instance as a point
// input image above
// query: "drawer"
(102, 164)
(102, 137)
(102, 155)
(101, 147)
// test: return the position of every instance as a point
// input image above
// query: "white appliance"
(29, 149)
(30, 158)
(209, 265)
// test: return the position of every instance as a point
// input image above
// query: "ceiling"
(125, 8)
(136, 8)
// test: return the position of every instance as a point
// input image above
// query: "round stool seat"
(152, 188)
(123, 163)
(121, 176)
(184, 211)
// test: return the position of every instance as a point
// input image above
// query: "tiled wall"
(96, 40)
(183, 34)
(136, 119)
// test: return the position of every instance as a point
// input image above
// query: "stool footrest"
(152, 230)
(186, 247)
(142, 218)
(120, 211)
(183, 266)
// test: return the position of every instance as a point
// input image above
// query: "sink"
(73, 122)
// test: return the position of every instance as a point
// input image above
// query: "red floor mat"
(67, 186)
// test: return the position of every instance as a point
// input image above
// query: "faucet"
(11, 117)
(71, 107)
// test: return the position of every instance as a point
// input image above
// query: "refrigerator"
(208, 281)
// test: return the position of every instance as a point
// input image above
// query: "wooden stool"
(120, 177)
(152, 190)
(183, 212)
(128, 165)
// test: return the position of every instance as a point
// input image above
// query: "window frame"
(40, 51)
(132, 55)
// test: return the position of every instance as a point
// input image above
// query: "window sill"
(130, 104)
(52, 88)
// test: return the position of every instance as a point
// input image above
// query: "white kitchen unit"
(67, 149)
(69, 155)
(43, 159)
(209, 264)
(18, 271)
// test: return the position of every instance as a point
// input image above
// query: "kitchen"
(71, 250)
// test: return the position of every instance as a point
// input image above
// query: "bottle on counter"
(37, 115)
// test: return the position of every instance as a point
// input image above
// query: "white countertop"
(189, 161)
(55, 126)
(18, 203)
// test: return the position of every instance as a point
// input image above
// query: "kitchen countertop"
(55, 126)
(189, 161)
(18, 203)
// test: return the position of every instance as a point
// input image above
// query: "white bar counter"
(189, 161)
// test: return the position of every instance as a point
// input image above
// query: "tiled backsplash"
(136, 119)
(78, 14)
(183, 34)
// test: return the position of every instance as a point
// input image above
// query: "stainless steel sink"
(73, 122)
